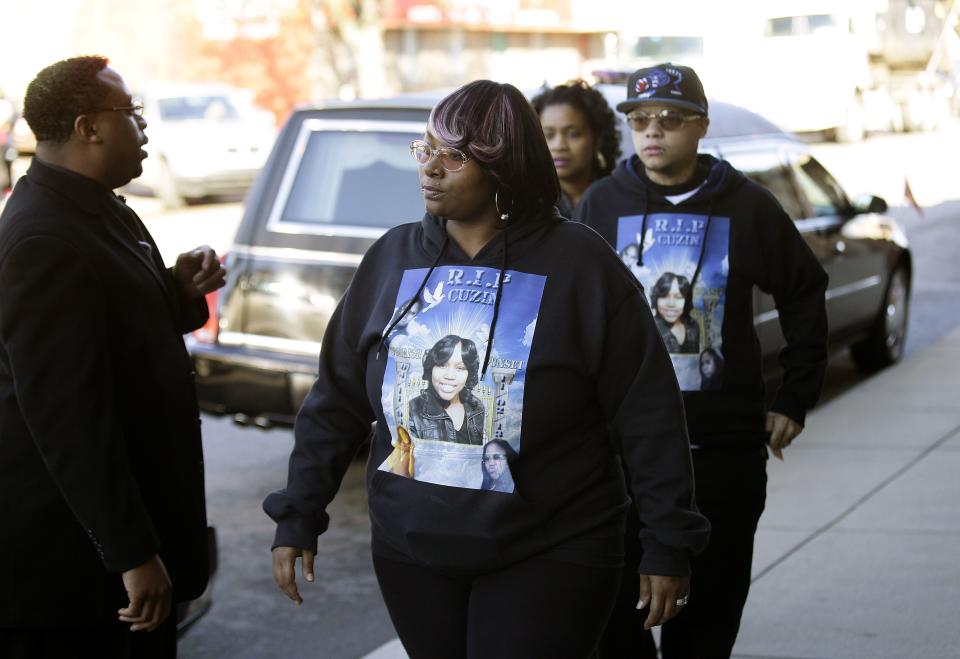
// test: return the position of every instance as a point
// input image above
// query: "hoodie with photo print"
(698, 250)
(542, 343)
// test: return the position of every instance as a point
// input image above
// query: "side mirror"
(869, 203)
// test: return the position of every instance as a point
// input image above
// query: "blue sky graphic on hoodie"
(671, 249)
(449, 326)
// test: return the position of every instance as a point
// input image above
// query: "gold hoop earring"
(504, 217)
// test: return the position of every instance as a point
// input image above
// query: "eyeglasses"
(667, 119)
(496, 457)
(451, 159)
(134, 109)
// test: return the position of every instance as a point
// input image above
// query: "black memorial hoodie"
(573, 353)
(698, 261)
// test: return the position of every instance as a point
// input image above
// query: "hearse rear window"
(363, 179)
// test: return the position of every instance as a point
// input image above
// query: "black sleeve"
(193, 312)
(335, 418)
(638, 389)
(54, 330)
(798, 283)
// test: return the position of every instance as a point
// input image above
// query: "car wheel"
(167, 188)
(884, 345)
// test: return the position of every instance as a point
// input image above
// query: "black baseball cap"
(665, 84)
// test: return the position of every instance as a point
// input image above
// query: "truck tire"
(884, 344)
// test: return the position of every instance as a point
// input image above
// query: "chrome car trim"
(817, 223)
(832, 293)
(855, 287)
(294, 254)
(300, 228)
(766, 317)
(274, 343)
(275, 222)
(240, 356)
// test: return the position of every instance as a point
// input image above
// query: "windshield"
(666, 48)
(365, 179)
(197, 108)
(793, 26)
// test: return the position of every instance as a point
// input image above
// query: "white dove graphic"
(433, 299)
(648, 240)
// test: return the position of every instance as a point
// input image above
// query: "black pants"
(533, 609)
(110, 641)
(731, 488)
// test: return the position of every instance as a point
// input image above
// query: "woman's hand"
(783, 430)
(285, 570)
(665, 595)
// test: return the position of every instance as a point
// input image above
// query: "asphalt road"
(343, 616)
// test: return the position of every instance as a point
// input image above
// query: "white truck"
(840, 67)
(845, 68)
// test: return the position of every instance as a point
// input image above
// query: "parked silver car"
(205, 139)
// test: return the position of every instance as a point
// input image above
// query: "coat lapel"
(130, 242)
(97, 201)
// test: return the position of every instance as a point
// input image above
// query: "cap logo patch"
(648, 85)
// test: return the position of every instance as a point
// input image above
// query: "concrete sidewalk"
(858, 552)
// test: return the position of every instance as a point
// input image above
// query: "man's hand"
(783, 430)
(285, 570)
(199, 272)
(149, 590)
(662, 593)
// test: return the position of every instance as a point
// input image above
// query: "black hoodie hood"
(517, 236)
(436, 241)
(720, 244)
(722, 179)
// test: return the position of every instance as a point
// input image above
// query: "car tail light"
(208, 332)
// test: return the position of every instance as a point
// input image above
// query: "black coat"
(101, 464)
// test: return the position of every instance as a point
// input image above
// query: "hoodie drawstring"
(496, 306)
(703, 251)
(416, 296)
(643, 229)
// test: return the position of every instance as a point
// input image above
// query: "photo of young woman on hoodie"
(630, 255)
(578, 382)
(671, 301)
(711, 370)
(447, 410)
(407, 326)
(495, 466)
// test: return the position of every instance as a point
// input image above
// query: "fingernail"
(309, 577)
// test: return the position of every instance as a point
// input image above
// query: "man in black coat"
(102, 517)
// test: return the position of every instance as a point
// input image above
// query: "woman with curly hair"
(583, 135)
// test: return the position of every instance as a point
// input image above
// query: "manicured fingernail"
(309, 577)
